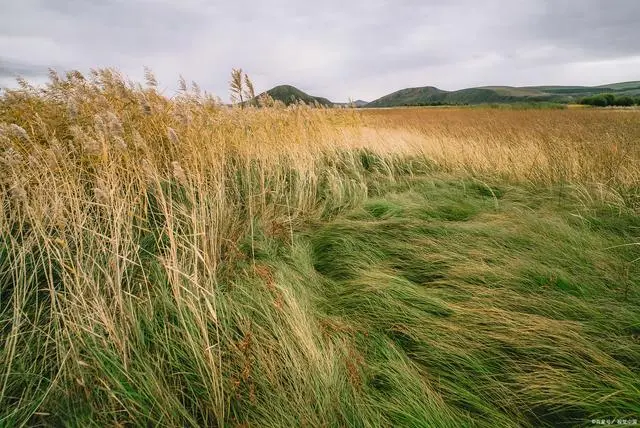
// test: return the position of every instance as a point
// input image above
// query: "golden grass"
(587, 146)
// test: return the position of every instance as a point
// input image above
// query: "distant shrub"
(595, 100)
(624, 101)
(540, 105)
(604, 100)
(610, 99)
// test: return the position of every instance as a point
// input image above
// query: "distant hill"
(622, 86)
(410, 96)
(357, 104)
(290, 94)
(429, 95)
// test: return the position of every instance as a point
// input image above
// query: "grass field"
(174, 262)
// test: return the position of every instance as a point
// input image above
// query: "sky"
(339, 49)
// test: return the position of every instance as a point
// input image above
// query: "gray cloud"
(15, 69)
(596, 27)
(338, 49)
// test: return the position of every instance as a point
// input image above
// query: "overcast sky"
(340, 49)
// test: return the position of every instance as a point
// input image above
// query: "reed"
(174, 261)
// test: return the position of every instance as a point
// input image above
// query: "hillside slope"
(290, 94)
(430, 95)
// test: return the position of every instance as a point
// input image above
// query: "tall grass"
(155, 266)
(123, 215)
(575, 147)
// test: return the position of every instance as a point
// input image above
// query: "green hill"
(290, 94)
(622, 86)
(430, 95)
(410, 96)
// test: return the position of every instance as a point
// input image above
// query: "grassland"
(175, 262)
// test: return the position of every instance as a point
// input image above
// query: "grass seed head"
(18, 131)
(173, 136)
(178, 173)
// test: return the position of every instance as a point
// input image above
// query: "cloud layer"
(337, 49)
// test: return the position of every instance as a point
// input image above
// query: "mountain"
(289, 95)
(429, 95)
(356, 104)
(410, 96)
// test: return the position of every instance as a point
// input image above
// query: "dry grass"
(105, 183)
(591, 146)
(152, 269)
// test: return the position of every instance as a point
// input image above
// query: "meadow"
(171, 261)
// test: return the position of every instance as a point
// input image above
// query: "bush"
(624, 101)
(604, 100)
(596, 101)
(610, 98)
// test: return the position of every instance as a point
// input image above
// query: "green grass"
(466, 309)
(435, 301)
(508, 315)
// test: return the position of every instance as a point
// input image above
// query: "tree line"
(604, 100)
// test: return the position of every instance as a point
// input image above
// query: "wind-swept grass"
(176, 262)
